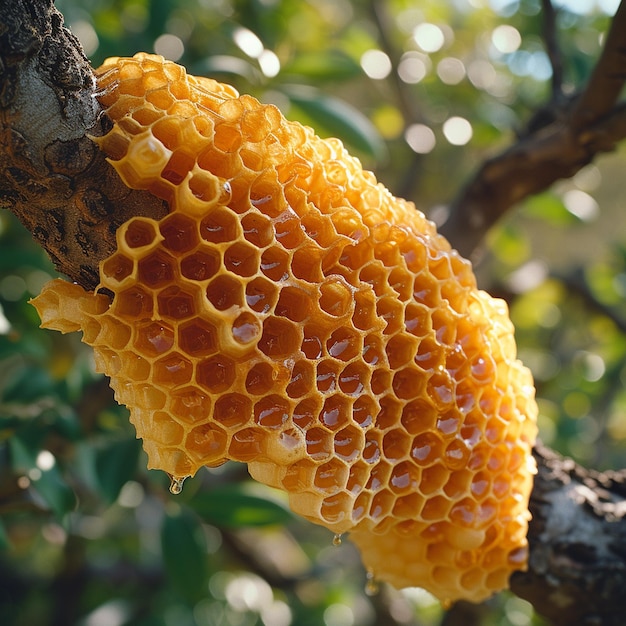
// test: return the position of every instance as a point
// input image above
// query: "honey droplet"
(371, 585)
(337, 540)
(176, 484)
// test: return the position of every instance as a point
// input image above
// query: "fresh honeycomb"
(290, 313)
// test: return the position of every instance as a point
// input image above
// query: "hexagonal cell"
(336, 412)
(306, 263)
(487, 512)
(389, 414)
(149, 397)
(280, 338)
(257, 229)
(207, 443)
(177, 168)
(371, 449)
(261, 294)
(417, 319)
(176, 303)
(382, 504)
(271, 412)
(361, 506)
(434, 478)
(217, 373)
(153, 338)
(418, 416)
(480, 484)
(426, 290)
(326, 375)
(246, 445)
(426, 449)
(204, 185)
(396, 445)
(479, 457)
(275, 263)
(392, 312)
(117, 267)
(114, 333)
(401, 282)
(364, 411)
(373, 352)
(464, 513)
(358, 476)
(313, 342)
(288, 230)
(302, 379)
(349, 443)
(401, 350)
(336, 508)
(306, 411)
(408, 506)
(232, 410)
(219, 226)
(430, 355)
(458, 484)
(134, 303)
(405, 476)
(364, 315)
(134, 366)
(190, 405)
(293, 303)
(449, 423)
(436, 508)
(242, 259)
(172, 370)
(246, 329)
(139, 232)
(336, 297)
(200, 265)
(197, 338)
(354, 378)
(225, 291)
(260, 378)
(319, 444)
(157, 269)
(330, 477)
(165, 430)
(179, 232)
(408, 383)
(344, 344)
(299, 476)
(381, 381)
(456, 454)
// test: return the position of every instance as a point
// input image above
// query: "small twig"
(552, 47)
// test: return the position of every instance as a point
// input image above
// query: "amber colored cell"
(200, 265)
(224, 291)
(117, 267)
(290, 313)
(154, 338)
(133, 302)
(180, 233)
(173, 369)
(261, 294)
(197, 338)
(157, 269)
(216, 374)
(139, 233)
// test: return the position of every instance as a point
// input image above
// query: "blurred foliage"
(421, 91)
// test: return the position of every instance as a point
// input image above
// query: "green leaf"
(185, 554)
(55, 491)
(549, 208)
(116, 464)
(231, 506)
(334, 117)
(331, 65)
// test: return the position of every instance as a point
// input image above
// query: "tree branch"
(579, 131)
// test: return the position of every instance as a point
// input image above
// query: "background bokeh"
(422, 91)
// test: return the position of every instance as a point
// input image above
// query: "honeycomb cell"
(344, 344)
(167, 432)
(331, 477)
(232, 410)
(224, 291)
(396, 445)
(275, 263)
(133, 303)
(434, 478)
(246, 445)
(288, 231)
(260, 379)
(335, 509)
(298, 476)
(246, 329)
(207, 444)
(335, 297)
(176, 303)
(157, 269)
(353, 378)
(313, 342)
(180, 233)
(293, 303)
(302, 377)
(190, 405)
(173, 369)
(177, 168)
(117, 267)
(153, 338)
(197, 338)
(336, 412)
(216, 374)
(272, 412)
(381, 505)
(221, 225)
(419, 416)
(200, 265)
(241, 259)
(319, 444)
(405, 477)
(348, 443)
(261, 294)
(364, 411)
(280, 338)
(257, 229)
(327, 372)
(427, 448)
(139, 233)
(305, 413)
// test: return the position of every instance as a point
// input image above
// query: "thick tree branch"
(52, 176)
(581, 129)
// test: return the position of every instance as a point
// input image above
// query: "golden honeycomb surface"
(290, 313)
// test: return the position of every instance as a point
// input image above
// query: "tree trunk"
(54, 178)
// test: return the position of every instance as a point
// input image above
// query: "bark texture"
(52, 176)
(57, 182)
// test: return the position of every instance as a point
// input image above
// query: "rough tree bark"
(59, 185)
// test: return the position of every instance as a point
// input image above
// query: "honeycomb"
(291, 314)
